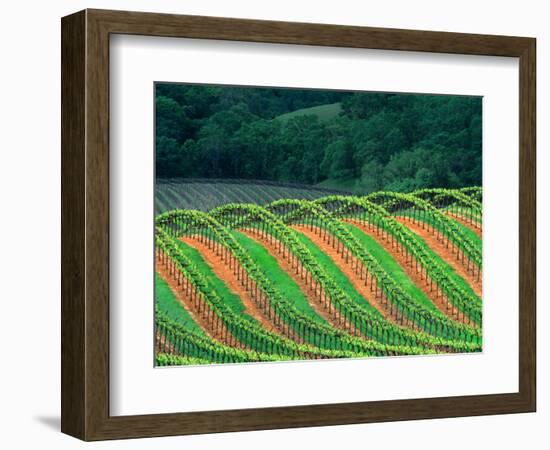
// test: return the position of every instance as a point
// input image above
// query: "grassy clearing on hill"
(323, 112)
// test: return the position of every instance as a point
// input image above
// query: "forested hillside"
(359, 141)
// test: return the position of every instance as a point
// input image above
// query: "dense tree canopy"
(355, 140)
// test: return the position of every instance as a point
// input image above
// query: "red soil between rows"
(185, 300)
(285, 265)
(161, 343)
(408, 268)
(445, 254)
(226, 274)
(461, 219)
(347, 270)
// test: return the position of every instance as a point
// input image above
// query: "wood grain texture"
(527, 224)
(73, 271)
(85, 224)
(152, 24)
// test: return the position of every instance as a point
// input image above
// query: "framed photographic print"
(271, 224)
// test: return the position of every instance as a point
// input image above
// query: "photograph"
(309, 224)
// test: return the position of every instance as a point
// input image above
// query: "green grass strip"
(469, 234)
(337, 275)
(170, 305)
(393, 268)
(229, 298)
(461, 282)
(282, 281)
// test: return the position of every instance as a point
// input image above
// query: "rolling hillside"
(205, 194)
(388, 274)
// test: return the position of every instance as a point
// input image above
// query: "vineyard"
(316, 275)
(207, 193)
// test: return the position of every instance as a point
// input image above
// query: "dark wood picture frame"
(85, 224)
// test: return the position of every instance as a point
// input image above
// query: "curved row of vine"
(456, 203)
(251, 335)
(475, 192)
(239, 215)
(176, 342)
(410, 243)
(279, 309)
(173, 338)
(416, 313)
(451, 233)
